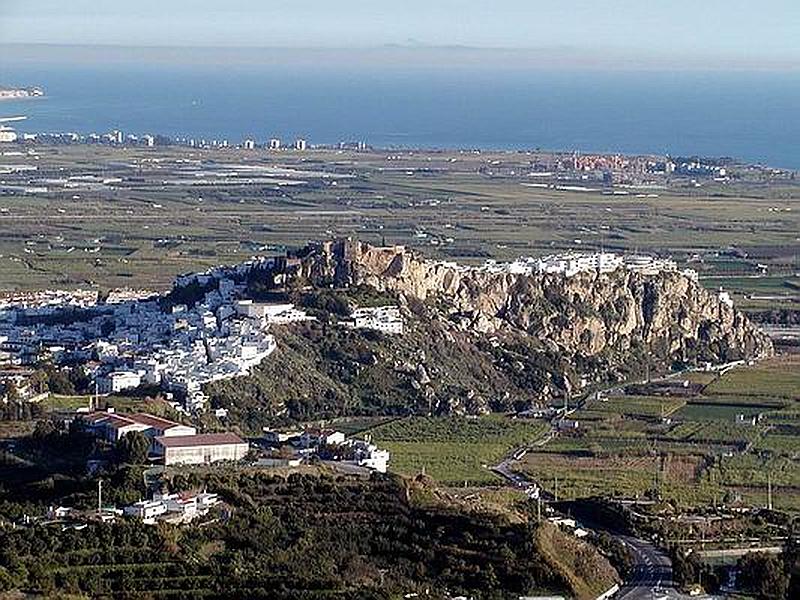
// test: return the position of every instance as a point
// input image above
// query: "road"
(651, 578)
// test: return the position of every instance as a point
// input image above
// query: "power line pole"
(769, 491)
(539, 507)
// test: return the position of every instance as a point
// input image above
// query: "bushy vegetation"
(322, 370)
(301, 537)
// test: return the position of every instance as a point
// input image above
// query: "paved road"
(651, 578)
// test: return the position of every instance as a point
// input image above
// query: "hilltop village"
(206, 328)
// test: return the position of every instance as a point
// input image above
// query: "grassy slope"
(325, 371)
(588, 573)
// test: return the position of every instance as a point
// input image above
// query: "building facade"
(200, 449)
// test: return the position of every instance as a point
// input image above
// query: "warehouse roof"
(201, 439)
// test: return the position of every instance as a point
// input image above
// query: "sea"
(751, 116)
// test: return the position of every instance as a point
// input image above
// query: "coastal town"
(574, 171)
(13, 93)
(399, 300)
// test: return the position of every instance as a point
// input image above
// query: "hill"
(474, 340)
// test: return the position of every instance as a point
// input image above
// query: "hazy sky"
(729, 31)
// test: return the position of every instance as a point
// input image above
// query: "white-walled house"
(117, 381)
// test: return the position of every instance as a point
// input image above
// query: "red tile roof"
(124, 419)
(120, 421)
(201, 439)
(152, 421)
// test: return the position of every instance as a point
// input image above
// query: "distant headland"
(11, 93)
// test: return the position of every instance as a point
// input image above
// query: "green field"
(56, 402)
(639, 406)
(779, 380)
(716, 412)
(463, 206)
(453, 450)
(697, 454)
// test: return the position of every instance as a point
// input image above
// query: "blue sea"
(754, 116)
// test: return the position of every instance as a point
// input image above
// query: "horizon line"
(419, 55)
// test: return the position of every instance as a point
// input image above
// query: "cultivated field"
(453, 450)
(137, 217)
(691, 451)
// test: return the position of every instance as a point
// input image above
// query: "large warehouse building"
(200, 449)
(114, 426)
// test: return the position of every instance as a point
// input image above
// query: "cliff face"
(474, 340)
(605, 317)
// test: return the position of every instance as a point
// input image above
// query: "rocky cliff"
(474, 340)
(668, 315)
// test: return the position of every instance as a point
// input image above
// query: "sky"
(720, 32)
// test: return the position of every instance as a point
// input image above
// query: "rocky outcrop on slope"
(474, 340)
(609, 315)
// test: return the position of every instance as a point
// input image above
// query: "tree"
(684, 569)
(6, 580)
(44, 429)
(763, 576)
(134, 447)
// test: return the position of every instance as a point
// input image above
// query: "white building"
(280, 437)
(375, 459)
(572, 263)
(117, 381)
(725, 298)
(113, 426)
(271, 313)
(300, 144)
(274, 144)
(386, 319)
(201, 449)
(368, 455)
(321, 437)
(7, 134)
(569, 264)
(147, 510)
(249, 144)
(182, 507)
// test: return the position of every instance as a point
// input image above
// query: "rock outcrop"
(475, 340)
(667, 316)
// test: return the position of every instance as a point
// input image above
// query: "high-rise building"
(249, 145)
(7, 134)
(274, 144)
(117, 137)
(300, 144)
(148, 140)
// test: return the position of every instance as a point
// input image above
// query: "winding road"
(651, 577)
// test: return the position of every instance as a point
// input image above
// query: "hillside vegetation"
(302, 537)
